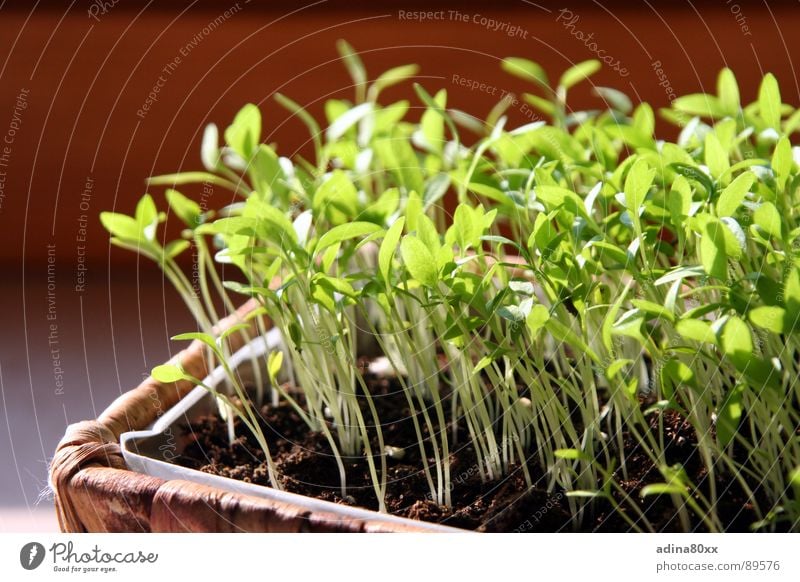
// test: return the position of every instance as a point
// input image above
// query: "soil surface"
(306, 466)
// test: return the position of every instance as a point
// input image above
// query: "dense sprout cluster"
(590, 278)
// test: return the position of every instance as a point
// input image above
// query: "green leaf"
(353, 64)
(659, 311)
(737, 342)
(696, 174)
(184, 208)
(307, 119)
(768, 219)
(345, 232)
(713, 251)
(419, 261)
(782, 161)
(728, 92)
(578, 73)
(769, 102)
(663, 489)
(525, 69)
(336, 198)
(732, 196)
(729, 415)
(697, 330)
(244, 133)
(201, 337)
(537, 318)
(769, 317)
(392, 77)
(175, 248)
(715, 156)
(167, 373)
(615, 98)
(637, 185)
(274, 363)
(432, 123)
(388, 247)
(679, 200)
(120, 225)
(571, 454)
(147, 217)
(700, 104)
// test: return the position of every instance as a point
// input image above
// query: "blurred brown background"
(74, 79)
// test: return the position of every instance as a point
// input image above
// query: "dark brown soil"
(306, 466)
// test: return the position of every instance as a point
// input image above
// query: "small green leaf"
(637, 185)
(663, 489)
(769, 102)
(175, 248)
(167, 373)
(578, 73)
(388, 247)
(525, 69)
(274, 363)
(701, 105)
(147, 217)
(345, 232)
(186, 209)
(728, 92)
(769, 317)
(201, 337)
(713, 251)
(732, 196)
(715, 156)
(571, 454)
(768, 219)
(737, 342)
(729, 415)
(244, 133)
(537, 318)
(432, 123)
(782, 161)
(419, 261)
(392, 77)
(120, 225)
(659, 311)
(353, 64)
(697, 330)
(336, 198)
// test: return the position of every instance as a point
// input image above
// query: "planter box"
(113, 474)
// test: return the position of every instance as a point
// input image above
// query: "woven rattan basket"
(96, 492)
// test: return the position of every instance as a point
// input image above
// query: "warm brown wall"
(87, 79)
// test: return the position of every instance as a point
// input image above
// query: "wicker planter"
(96, 491)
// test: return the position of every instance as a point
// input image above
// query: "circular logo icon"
(31, 555)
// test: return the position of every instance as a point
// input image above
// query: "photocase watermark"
(528, 524)
(741, 19)
(99, 8)
(31, 555)
(663, 80)
(169, 448)
(65, 558)
(207, 192)
(173, 65)
(490, 24)
(53, 337)
(84, 205)
(569, 20)
(7, 146)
